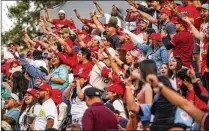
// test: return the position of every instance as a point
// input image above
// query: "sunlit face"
(61, 16)
(110, 30)
(172, 64)
(65, 35)
(42, 94)
(204, 14)
(28, 98)
(164, 70)
(54, 60)
(82, 81)
(129, 58)
(12, 48)
(94, 43)
(122, 38)
(142, 25)
(145, 36)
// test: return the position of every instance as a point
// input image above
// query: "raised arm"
(47, 15)
(99, 8)
(146, 16)
(176, 99)
(47, 27)
(78, 15)
(97, 22)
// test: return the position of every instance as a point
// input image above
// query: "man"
(97, 116)
(187, 86)
(163, 23)
(49, 108)
(108, 16)
(12, 114)
(182, 43)
(61, 21)
(111, 29)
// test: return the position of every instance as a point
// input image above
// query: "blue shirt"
(60, 72)
(14, 114)
(159, 55)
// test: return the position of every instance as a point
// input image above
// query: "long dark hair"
(24, 106)
(147, 67)
(19, 83)
(178, 66)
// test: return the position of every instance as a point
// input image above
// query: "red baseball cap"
(56, 96)
(46, 87)
(83, 75)
(180, 21)
(16, 62)
(166, 11)
(128, 46)
(155, 36)
(32, 92)
(82, 32)
(115, 88)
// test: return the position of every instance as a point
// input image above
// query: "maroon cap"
(166, 11)
(115, 88)
(56, 96)
(156, 36)
(32, 92)
(180, 21)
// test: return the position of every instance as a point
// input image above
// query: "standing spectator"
(61, 107)
(49, 107)
(97, 116)
(111, 29)
(62, 21)
(12, 111)
(155, 51)
(31, 107)
(75, 94)
(182, 43)
(58, 76)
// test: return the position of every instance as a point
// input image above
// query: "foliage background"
(26, 14)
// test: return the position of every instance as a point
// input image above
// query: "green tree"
(25, 14)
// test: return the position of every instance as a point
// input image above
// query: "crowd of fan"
(148, 70)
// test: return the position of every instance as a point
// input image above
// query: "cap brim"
(200, 8)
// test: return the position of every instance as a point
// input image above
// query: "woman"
(19, 83)
(58, 77)
(175, 65)
(114, 96)
(155, 50)
(75, 94)
(164, 70)
(31, 107)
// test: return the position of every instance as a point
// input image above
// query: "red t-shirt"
(63, 22)
(191, 96)
(205, 121)
(204, 55)
(189, 11)
(184, 44)
(69, 42)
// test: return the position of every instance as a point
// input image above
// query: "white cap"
(144, 4)
(111, 51)
(98, 38)
(61, 11)
(14, 96)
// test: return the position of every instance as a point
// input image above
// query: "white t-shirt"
(203, 31)
(39, 122)
(118, 105)
(62, 113)
(50, 111)
(108, 16)
(96, 80)
(78, 106)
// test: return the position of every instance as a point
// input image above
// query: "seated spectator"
(97, 116)
(12, 112)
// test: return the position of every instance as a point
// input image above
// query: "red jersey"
(69, 42)
(87, 21)
(63, 22)
(204, 55)
(184, 44)
(189, 11)
(191, 96)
